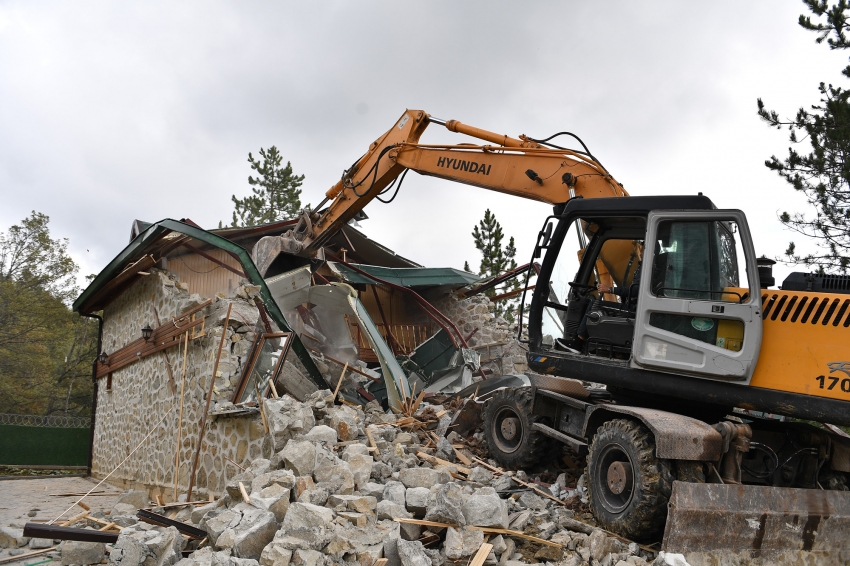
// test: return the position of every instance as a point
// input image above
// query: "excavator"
(695, 390)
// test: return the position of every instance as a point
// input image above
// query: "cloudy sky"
(112, 111)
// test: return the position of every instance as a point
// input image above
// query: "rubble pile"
(354, 486)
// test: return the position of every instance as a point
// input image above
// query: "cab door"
(699, 302)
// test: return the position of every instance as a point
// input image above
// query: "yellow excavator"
(695, 390)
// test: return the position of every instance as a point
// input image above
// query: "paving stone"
(322, 433)
(253, 533)
(375, 490)
(530, 500)
(361, 469)
(445, 504)
(412, 553)
(353, 450)
(306, 515)
(12, 538)
(484, 508)
(287, 418)
(299, 456)
(359, 503)
(338, 477)
(422, 477)
(78, 552)
(601, 545)
(416, 499)
(274, 498)
(389, 510)
(480, 474)
(356, 519)
(396, 492)
(462, 543)
(302, 484)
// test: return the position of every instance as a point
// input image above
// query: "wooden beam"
(163, 337)
(165, 354)
(481, 555)
(203, 424)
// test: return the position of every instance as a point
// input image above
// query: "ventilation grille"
(806, 309)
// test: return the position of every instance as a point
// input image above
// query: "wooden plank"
(163, 337)
(381, 562)
(244, 493)
(481, 555)
(234, 463)
(424, 523)
(462, 457)
(74, 519)
(180, 418)
(102, 522)
(203, 423)
(371, 440)
(517, 534)
(27, 555)
(520, 482)
(164, 353)
(339, 383)
(434, 460)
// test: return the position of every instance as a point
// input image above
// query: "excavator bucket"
(748, 524)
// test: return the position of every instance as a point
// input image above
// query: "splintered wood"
(481, 555)
(486, 530)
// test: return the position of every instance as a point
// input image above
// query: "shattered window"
(264, 364)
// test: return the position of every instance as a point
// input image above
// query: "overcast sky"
(112, 111)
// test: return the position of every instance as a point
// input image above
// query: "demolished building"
(290, 331)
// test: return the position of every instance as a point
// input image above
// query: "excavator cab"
(685, 295)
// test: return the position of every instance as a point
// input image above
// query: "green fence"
(27, 440)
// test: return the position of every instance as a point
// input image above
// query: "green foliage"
(276, 194)
(46, 351)
(821, 171)
(495, 260)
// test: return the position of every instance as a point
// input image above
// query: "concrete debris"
(331, 495)
(76, 552)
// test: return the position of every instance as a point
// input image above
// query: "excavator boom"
(519, 167)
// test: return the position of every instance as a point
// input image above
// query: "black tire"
(507, 428)
(634, 504)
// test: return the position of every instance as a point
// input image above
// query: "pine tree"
(276, 194)
(495, 260)
(820, 171)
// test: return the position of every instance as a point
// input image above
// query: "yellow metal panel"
(806, 344)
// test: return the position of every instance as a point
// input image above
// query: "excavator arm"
(521, 167)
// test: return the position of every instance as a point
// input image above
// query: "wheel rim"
(615, 478)
(508, 430)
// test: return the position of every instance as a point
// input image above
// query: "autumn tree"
(46, 351)
(276, 195)
(817, 164)
(496, 259)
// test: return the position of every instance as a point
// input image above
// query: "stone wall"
(141, 399)
(495, 339)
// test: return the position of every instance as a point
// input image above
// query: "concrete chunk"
(306, 516)
(300, 457)
(422, 477)
(462, 543)
(484, 508)
(77, 552)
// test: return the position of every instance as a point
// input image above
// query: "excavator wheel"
(507, 428)
(628, 486)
